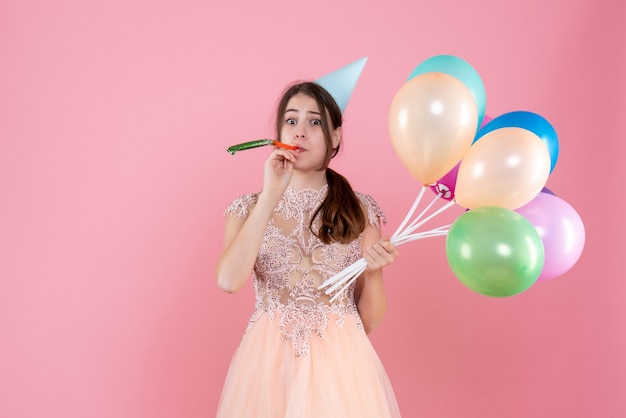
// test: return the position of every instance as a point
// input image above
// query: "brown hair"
(341, 213)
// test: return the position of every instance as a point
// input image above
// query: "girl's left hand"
(380, 255)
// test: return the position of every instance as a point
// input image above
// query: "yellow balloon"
(432, 123)
(506, 168)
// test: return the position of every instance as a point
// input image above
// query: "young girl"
(301, 355)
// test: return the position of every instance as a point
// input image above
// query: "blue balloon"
(530, 121)
(460, 69)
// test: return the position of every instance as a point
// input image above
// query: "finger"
(378, 255)
(373, 259)
(388, 247)
(383, 253)
(381, 248)
(284, 154)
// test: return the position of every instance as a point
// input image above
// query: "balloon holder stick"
(341, 281)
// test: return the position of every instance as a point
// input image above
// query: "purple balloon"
(561, 230)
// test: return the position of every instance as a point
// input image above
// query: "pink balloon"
(561, 230)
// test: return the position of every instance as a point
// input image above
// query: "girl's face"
(302, 127)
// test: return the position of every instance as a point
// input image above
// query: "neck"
(312, 179)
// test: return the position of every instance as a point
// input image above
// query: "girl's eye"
(290, 121)
(316, 122)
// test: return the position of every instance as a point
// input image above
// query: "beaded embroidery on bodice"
(292, 263)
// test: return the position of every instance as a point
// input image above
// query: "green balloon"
(495, 251)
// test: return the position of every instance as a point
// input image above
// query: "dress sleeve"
(374, 213)
(241, 206)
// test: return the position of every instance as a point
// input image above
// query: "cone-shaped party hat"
(340, 83)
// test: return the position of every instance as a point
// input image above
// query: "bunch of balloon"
(514, 233)
(433, 121)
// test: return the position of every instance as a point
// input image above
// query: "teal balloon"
(460, 69)
(495, 251)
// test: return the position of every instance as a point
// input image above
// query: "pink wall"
(114, 120)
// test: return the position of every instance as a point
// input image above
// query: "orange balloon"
(507, 168)
(432, 123)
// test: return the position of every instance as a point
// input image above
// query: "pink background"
(114, 121)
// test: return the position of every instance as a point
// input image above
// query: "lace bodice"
(292, 263)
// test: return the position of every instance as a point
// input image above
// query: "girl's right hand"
(278, 170)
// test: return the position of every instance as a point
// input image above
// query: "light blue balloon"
(460, 69)
(530, 121)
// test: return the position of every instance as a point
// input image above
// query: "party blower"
(259, 143)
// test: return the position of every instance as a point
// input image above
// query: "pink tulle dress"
(301, 355)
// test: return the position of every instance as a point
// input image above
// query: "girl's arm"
(242, 240)
(370, 290)
(243, 237)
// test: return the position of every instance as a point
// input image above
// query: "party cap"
(340, 83)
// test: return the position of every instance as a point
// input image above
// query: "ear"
(336, 136)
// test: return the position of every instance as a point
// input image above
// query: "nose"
(300, 132)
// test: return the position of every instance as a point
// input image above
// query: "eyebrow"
(296, 110)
